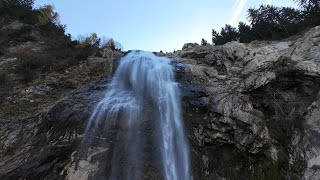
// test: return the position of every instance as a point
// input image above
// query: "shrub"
(111, 44)
(90, 41)
(47, 15)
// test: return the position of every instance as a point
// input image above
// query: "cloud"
(239, 5)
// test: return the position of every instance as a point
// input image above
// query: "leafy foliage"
(111, 44)
(271, 23)
(227, 34)
(41, 24)
(16, 10)
(204, 42)
(90, 41)
(47, 15)
(310, 11)
(245, 33)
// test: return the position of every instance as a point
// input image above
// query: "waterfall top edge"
(142, 53)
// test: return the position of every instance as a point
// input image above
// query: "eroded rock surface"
(252, 111)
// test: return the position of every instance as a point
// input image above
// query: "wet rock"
(257, 100)
(40, 146)
(251, 110)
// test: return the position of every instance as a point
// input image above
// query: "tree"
(215, 37)
(311, 11)
(246, 34)
(261, 22)
(290, 19)
(204, 42)
(26, 3)
(271, 22)
(308, 4)
(47, 15)
(118, 46)
(16, 9)
(17, 3)
(111, 44)
(90, 41)
(229, 33)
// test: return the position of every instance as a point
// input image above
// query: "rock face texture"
(252, 111)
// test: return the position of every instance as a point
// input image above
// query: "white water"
(142, 76)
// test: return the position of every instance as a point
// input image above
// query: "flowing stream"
(143, 79)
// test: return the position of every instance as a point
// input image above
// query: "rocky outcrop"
(251, 110)
(42, 121)
(189, 46)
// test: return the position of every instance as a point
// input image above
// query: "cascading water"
(143, 80)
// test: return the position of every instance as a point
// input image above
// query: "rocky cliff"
(252, 112)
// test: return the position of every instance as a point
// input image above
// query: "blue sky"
(153, 25)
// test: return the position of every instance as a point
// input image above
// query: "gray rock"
(189, 46)
(251, 111)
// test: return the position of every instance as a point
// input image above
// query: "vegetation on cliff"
(37, 53)
(271, 23)
(20, 23)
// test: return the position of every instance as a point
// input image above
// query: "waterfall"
(144, 81)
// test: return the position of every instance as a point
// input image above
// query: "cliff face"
(251, 111)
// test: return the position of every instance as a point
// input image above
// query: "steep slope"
(28, 91)
(252, 112)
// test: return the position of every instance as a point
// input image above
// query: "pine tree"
(215, 37)
(246, 34)
(204, 42)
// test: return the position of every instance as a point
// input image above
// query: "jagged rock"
(256, 92)
(188, 46)
(251, 110)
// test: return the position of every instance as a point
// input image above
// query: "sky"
(153, 25)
